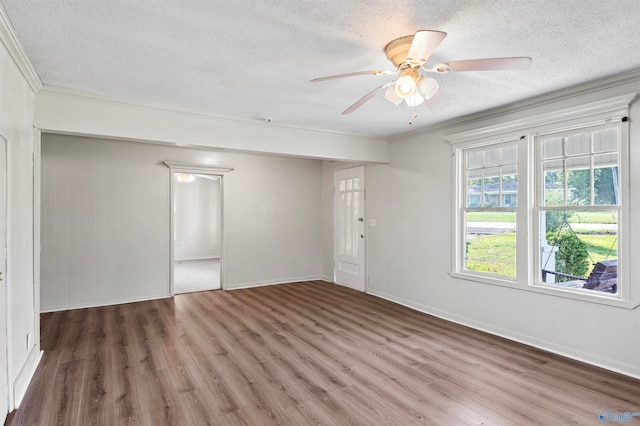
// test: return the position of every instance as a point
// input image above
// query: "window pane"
(474, 160)
(492, 157)
(474, 191)
(509, 187)
(491, 177)
(341, 221)
(605, 186)
(579, 143)
(510, 170)
(552, 148)
(347, 223)
(491, 243)
(580, 249)
(579, 181)
(553, 183)
(492, 187)
(509, 155)
(605, 140)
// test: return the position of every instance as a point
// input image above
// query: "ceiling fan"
(409, 54)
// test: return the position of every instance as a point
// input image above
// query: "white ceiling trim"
(13, 46)
(539, 101)
(618, 106)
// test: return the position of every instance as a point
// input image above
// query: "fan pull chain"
(413, 114)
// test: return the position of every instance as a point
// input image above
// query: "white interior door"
(349, 227)
(4, 381)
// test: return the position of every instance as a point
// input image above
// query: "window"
(542, 205)
(579, 207)
(491, 176)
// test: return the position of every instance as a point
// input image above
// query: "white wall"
(409, 252)
(197, 219)
(105, 219)
(16, 121)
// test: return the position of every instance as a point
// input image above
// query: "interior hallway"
(196, 275)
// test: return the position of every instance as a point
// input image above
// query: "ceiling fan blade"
(352, 74)
(437, 103)
(423, 45)
(365, 98)
(490, 64)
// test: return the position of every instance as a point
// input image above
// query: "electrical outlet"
(29, 342)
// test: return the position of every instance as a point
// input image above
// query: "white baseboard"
(83, 305)
(607, 364)
(110, 302)
(274, 282)
(21, 383)
(197, 258)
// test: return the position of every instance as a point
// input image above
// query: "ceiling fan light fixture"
(428, 87)
(405, 86)
(414, 100)
(391, 96)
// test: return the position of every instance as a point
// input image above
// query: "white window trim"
(528, 129)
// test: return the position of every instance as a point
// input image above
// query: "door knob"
(361, 219)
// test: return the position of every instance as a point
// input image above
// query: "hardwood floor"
(298, 354)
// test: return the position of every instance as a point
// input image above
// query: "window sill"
(601, 299)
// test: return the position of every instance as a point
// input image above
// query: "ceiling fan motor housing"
(398, 49)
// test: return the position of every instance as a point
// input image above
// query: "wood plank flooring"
(297, 354)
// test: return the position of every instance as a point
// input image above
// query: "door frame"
(364, 244)
(202, 169)
(5, 393)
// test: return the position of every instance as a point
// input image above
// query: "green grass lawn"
(593, 217)
(491, 217)
(583, 217)
(495, 254)
(601, 247)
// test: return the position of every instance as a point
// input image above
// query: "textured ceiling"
(253, 59)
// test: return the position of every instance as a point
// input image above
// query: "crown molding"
(527, 104)
(618, 106)
(17, 53)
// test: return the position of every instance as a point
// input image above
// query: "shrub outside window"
(579, 197)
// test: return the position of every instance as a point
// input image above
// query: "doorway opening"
(196, 232)
(197, 227)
